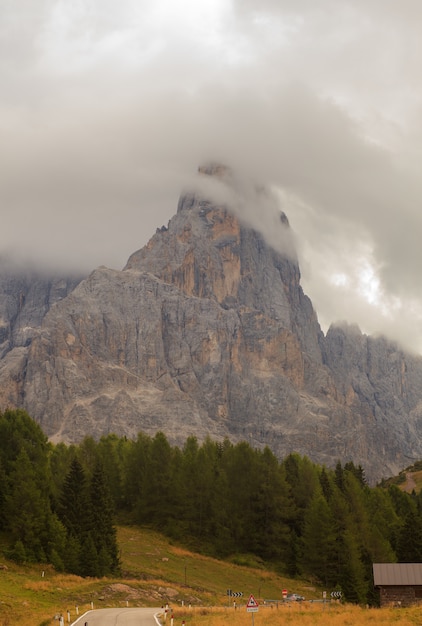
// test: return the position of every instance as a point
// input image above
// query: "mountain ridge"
(207, 331)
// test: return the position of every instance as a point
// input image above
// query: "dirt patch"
(131, 594)
(121, 588)
(410, 483)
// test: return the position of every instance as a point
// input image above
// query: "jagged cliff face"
(207, 331)
(25, 298)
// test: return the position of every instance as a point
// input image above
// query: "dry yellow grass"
(305, 614)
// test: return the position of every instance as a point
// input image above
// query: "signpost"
(234, 594)
(252, 607)
(336, 594)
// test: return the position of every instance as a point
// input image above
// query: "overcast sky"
(107, 108)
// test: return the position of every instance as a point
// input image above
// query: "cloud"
(105, 115)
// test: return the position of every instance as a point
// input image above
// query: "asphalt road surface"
(120, 617)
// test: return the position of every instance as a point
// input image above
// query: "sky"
(107, 109)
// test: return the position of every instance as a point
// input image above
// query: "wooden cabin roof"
(397, 574)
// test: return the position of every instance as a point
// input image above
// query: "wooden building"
(399, 584)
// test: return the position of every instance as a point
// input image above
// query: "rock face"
(207, 331)
(25, 298)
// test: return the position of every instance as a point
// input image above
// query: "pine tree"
(112, 452)
(319, 540)
(135, 476)
(27, 509)
(409, 541)
(74, 509)
(272, 508)
(352, 577)
(72, 556)
(339, 476)
(89, 563)
(75, 514)
(325, 483)
(18, 553)
(158, 497)
(102, 529)
(3, 493)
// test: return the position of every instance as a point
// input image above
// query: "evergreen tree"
(319, 540)
(30, 519)
(72, 555)
(19, 432)
(409, 540)
(88, 455)
(158, 488)
(273, 508)
(74, 505)
(384, 521)
(89, 561)
(339, 476)
(352, 578)
(60, 459)
(75, 514)
(242, 470)
(112, 452)
(3, 494)
(190, 486)
(18, 553)
(402, 502)
(325, 483)
(135, 476)
(102, 529)
(358, 472)
(303, 477)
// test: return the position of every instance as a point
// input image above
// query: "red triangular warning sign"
(252, 603)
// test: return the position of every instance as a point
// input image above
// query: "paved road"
(120, 617)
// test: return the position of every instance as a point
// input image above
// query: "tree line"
(52, 509)
(58, 504)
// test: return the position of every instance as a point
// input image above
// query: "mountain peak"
(215, 169)
(207, 331)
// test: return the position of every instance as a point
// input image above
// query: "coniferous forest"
(59, 504)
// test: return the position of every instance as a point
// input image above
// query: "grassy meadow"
(294, 614)
(157, 573)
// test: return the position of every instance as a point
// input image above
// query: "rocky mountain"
(207, 331)
(25, 298)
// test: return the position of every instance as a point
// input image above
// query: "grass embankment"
(155, 573)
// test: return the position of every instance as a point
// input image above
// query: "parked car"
(295, 597)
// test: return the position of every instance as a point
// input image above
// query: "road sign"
(336, 594)
(252, 605)
(284, 592)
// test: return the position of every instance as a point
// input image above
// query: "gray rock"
(207, 331)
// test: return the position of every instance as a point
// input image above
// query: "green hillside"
(155, 572)
(59, 505)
